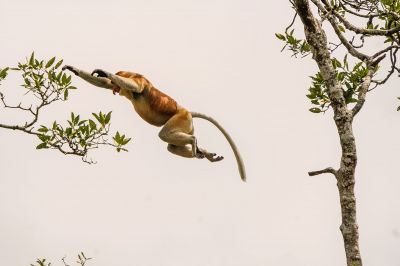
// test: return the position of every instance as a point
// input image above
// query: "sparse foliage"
(81, 260)
(48, 84)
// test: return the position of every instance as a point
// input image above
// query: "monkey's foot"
(212, 157)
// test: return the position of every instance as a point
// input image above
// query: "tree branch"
(363, 91)
(328, 170)
(350, 48)
(357, 30)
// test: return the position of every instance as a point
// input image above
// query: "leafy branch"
(46, 82)
(81, 260)
(352, 78)
(380, 20)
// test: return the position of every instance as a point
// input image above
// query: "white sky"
(148, 207)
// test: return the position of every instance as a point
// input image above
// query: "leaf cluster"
(48, 83)
(293, 44)
(350, 78)
(81, 260)
(45, 79)
(80, 136)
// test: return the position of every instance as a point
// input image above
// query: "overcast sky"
(149, 207)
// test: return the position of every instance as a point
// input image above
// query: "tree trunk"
(343, 118)
(345, 183)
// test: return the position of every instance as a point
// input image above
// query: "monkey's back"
(154, 106)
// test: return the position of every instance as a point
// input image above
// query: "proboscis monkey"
(159, 110)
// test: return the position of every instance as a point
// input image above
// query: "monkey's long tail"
(229, 139)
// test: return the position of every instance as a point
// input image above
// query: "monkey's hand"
(101, 73)
(71, 68)
(212, 157)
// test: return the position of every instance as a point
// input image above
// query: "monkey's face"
(116, 89)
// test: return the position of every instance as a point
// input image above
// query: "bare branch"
(393, 60)
(353, 51)
(328, 170)
(376, 32)
(291, 24)
(387, 49)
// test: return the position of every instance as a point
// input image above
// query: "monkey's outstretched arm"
(122, 82)
(102, 82)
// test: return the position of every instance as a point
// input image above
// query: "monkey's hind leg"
(184, 151)
(178, 132)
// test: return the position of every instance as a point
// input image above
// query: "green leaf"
(43, 138)
(59, 77)
(97, 117)
(59, 64)
(357, 66)
(126, 141)
(387, 2)
(64, 78)
(315, 110)
(108, 117)
(336, 63)
(280, 36)
(346, 64)
(68, 131)
(71, 88)
(82, 143)
(76, 120)
(117, 138)
(3, 72)
(65, 95)
(102, 119)
(348, 85)
(50, 62)
(41, 146)
(32, 59)
(92, 124)
(43, 129)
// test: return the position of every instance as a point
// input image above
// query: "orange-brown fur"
(154, 106)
